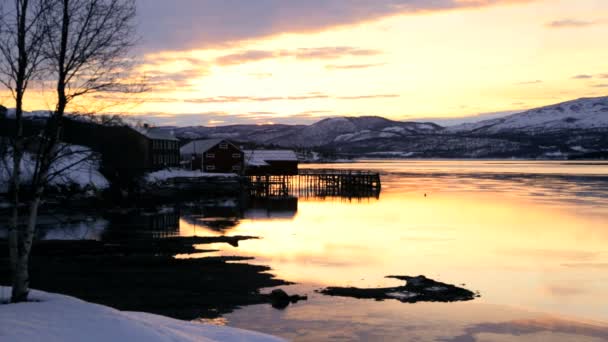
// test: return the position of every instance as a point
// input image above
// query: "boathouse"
(213, 155)
(271, 162)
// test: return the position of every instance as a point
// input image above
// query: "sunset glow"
(405, 60)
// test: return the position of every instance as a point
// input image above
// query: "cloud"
(571, 23)
(225, 118)
(530, 82)
(353, 66)
(245, 57)
(582, 77)
(309, 96)
(261, 75)
(603, 76)
(580, 265)
(602, 85)
(213, 23)
(365, 97)
(332, 52)
(233, 99)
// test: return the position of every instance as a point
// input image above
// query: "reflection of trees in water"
(64, 227)
(216, 224)
(142, 225)
(227, 214)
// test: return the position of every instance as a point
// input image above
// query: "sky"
(217, 62)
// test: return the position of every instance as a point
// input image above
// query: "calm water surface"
(531, 237)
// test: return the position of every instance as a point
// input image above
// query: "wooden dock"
(318, 183)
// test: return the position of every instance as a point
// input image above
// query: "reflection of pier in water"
(318, 183)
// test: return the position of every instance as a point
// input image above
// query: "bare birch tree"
(85, 48)
(21, 34)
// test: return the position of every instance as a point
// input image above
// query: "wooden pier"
(319, 183)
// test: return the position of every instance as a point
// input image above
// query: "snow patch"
(402, 295)
(79, 169)
(55, 318)
(166, 174)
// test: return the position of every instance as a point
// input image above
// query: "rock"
(279, 299)
(416, 289)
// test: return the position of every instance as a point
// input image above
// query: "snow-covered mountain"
(324, 132)
(573, 128)
(585, 113)
(348, 129)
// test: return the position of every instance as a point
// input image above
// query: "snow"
(579, 149)
(402, 295)
(199, 146)
(55, 318)
(585, 113)
(163, 175)
(365, 135)
(84, 174)
(392, 153)
(261, 157)
(395, 129)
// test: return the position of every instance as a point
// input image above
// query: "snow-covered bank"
(76, 167)
(62, 318)
(163, 175)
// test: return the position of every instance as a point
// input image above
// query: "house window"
(210, 155)
(236, 168)
(210, 167)
(224, 146)
(236, 155)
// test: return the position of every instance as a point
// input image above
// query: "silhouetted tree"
(85, 48)
(21, 34)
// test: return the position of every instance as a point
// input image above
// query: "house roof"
(155, 133)
(261, 157)
(159, 134)
(199, 146)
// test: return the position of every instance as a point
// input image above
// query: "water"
(531, 237)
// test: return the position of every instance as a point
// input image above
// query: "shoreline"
(53, 317)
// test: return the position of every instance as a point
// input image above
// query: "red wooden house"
(213, 155)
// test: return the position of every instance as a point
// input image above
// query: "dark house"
(271, 162)
(125, 149)
(213, 155)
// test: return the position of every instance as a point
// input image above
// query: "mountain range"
(576, 128)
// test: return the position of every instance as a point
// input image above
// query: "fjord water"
(531, 237)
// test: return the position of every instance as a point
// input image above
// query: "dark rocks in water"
(416, 289)
(280, 299)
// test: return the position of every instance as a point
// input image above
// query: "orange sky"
(212, 63)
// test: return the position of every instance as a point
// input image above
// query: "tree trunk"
(14, 234)
(21, 280)
(19, 262)
(13, 229)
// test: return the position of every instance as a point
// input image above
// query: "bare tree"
(21, 34)
(85, 48)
